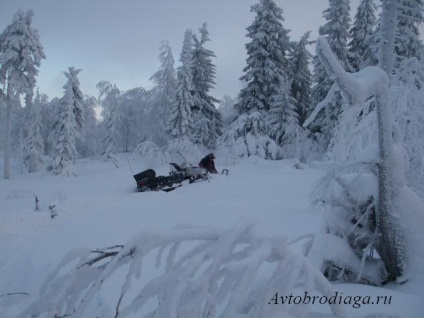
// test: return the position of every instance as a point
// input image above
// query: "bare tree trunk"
(7, 141)
(391, 243)
(388, 32)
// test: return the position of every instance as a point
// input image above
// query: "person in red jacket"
(208, 163)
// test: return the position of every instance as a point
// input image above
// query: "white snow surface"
(101, 208)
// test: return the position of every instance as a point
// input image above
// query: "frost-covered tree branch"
(321, 105)
(14, 294)
(356, 87)
(200, 272)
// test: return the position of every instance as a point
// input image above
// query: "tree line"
(282, 84)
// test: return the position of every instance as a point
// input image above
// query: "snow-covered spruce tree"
(301, 79)
(207, 120)
(304, 145)
(163, 95)
(199, 272)
(267, 65)
(361, 33)
(135, 125)
(180, 125)
(50, 113)
(267, 61)
(180, 120)
(47, 117)
(408, 42)
(34, 141)
(336, 31)
(87, 145)
(77, 99)
(20, 57)
(67, 127)
(284, 121)
(109, 99)
(227, 110)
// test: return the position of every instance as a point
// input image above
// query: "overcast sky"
(118, 41)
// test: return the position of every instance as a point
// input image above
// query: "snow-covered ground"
(101, 208)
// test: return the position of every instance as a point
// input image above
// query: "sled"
(148, 181)
(188, 173)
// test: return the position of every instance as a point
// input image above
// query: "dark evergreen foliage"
(267, 58)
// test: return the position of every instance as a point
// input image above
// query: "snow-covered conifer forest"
(320, 215)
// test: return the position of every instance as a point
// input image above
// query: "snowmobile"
(188, 172)
(148, 181)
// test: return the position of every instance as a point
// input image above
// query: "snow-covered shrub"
(248, 136)
(150, 153)
(305, 147)
(34, 160)
(183, 151)
(348, 195)
(200, 272)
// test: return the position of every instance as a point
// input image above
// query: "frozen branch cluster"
(357, 87)
(200, 272)
(347, 195)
